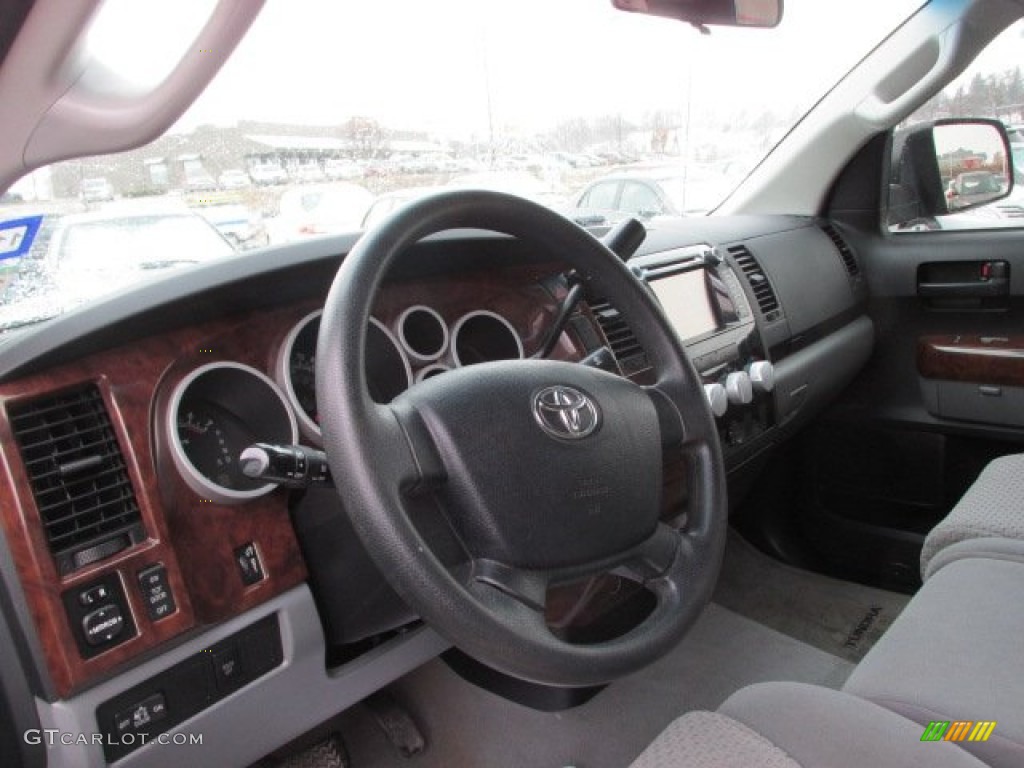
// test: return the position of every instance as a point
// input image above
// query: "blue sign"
(17, 235)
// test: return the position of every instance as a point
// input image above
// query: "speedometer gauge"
(302, 370)
(296, 373)
(388, 372)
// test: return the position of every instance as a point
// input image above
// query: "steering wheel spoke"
(655, 556)
(529, 588)
(670, 420)
(413, 463)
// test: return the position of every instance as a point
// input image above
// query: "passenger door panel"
(942, 395)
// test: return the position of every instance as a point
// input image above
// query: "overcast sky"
(431, 63)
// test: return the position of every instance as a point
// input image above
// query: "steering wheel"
(547, 471)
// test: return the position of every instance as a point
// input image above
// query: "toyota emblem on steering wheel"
(565, 413)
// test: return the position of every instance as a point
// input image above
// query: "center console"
(704, 301)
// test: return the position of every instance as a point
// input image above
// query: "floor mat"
(836, 616)
(469, 727)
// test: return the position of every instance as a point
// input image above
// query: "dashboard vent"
(759, 283)
(849, 260)
(627, 350)
(79, 478)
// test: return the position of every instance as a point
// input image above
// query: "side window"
(993, 87)
(639, 198)
(601, 196)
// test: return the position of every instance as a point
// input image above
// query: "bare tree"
(364, 135)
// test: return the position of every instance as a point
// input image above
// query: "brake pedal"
(329, 753)
(396, 722)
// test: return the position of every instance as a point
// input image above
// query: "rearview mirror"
(948, 166)
(700, 13)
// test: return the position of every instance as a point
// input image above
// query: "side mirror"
(948, 166)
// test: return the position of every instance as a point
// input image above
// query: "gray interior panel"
(257, 718)
(966, 401)
(797, 259)
(811, 377)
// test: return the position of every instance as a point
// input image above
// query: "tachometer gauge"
(215, 413)
(212, 440)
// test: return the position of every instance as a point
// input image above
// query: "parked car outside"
(650, 192)
(243, 227)
(96, 190)
(392, 201)
(320, 209)
(308, 172)
(339, 169)
(971, 188)
(234, 179)
(94, 254)
(199, 181)
(521, 183)
(268, 174)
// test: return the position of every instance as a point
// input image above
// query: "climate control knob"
(738, 388)
(718, 400)
(762, 376)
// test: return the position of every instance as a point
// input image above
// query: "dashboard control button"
(718, 400)
(738, 388)
(123, 722)
(98, 614)
(227, 667)
(136, 718)
(174, 695)
(103, 625)
(156, 592)
(249, 566)
(762, 376)
(94, 595)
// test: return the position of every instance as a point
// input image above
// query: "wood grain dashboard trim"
(977, 359)
(126, 400)
(193, 538)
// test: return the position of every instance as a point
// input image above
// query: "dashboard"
(141, 564)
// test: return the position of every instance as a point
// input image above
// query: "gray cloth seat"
(988, 515)
(794, 725)
(989, 548)
(954, 654)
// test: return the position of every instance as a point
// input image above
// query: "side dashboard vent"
(845, 253)
(759, 282)
(624, 345)
(79, 478)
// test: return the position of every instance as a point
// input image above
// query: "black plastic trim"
(543, 698)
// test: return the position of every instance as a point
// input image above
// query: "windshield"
(330, 111)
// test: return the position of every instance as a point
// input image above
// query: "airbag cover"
(559, 500)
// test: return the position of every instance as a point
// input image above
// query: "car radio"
(705, 303)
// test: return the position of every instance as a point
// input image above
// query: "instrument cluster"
(220, 408)
(417, 345)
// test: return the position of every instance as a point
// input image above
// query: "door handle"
(996, 286)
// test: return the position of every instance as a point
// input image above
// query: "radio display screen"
(685, 298)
